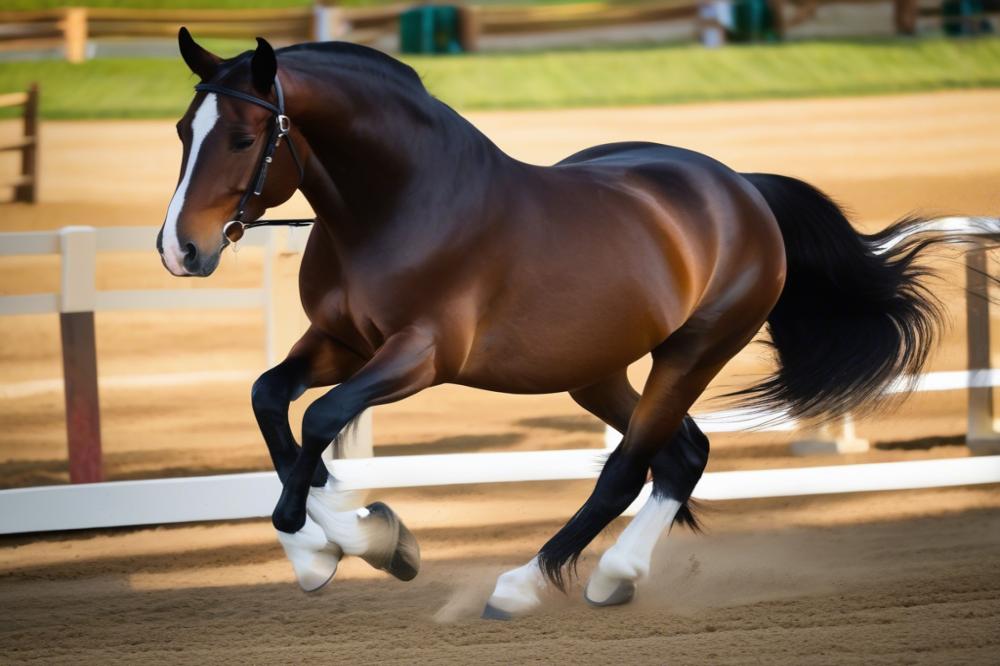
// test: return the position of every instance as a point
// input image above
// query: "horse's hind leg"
(682, 368)
(676, 469)
(517, 591)
(612, 400)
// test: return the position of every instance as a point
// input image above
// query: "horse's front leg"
(403, 366)
(315, 360)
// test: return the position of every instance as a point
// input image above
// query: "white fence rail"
(252, 495)
(78, 299)
(78, 248)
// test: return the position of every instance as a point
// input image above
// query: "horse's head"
(226, 140)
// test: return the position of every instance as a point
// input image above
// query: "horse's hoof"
(623, 593)
(393, 547)
(517, 593)
(314, 559)
(491, 612)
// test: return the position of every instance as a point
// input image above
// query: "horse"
(437, 258)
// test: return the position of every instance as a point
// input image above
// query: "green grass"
(157, 88)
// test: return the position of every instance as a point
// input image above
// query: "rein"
(236, 227)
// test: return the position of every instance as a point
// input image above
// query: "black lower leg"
(270, 396)
(322, 423)
(678, 467)
(618, 485)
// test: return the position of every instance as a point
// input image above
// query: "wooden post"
(981, 437)
(905, 16)
(27, 191)
(468, 28)
(74, 27)
(77, 300)
(822, 440)
(778, 14)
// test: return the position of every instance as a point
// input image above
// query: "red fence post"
(78, 300)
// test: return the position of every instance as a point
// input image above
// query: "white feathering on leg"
(629, 559)
(337, 513)
(314, 559)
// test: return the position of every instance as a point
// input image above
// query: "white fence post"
(328, 23)
(267, 285)
(981, 436)
(823, 441)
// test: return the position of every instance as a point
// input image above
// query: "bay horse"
(437, 258)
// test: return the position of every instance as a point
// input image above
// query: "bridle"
(236, 227)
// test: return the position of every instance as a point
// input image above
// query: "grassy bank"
(154, 88)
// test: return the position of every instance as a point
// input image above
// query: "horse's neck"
(380, 156)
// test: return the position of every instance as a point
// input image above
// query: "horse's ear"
(263, 66)
(201, 62)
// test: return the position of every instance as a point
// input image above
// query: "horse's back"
(638, 154)
(698, 195)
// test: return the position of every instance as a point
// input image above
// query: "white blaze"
(205, 119)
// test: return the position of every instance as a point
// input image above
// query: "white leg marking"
(377, 535)
(338, 514)
(205, 118)
(314, 559)
(629, 559)
(519, 590)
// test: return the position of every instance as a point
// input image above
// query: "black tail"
(855, 313)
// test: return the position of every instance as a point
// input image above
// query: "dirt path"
(910, 577)
(907, 577)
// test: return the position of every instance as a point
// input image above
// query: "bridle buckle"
(234, 230)
(284, 124)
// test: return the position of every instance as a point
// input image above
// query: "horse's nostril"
(190, 257)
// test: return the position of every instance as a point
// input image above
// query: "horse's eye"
(240, 143)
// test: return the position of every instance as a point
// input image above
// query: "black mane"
(362, 58)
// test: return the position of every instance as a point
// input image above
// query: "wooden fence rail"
(71, 28)
(25, 185)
